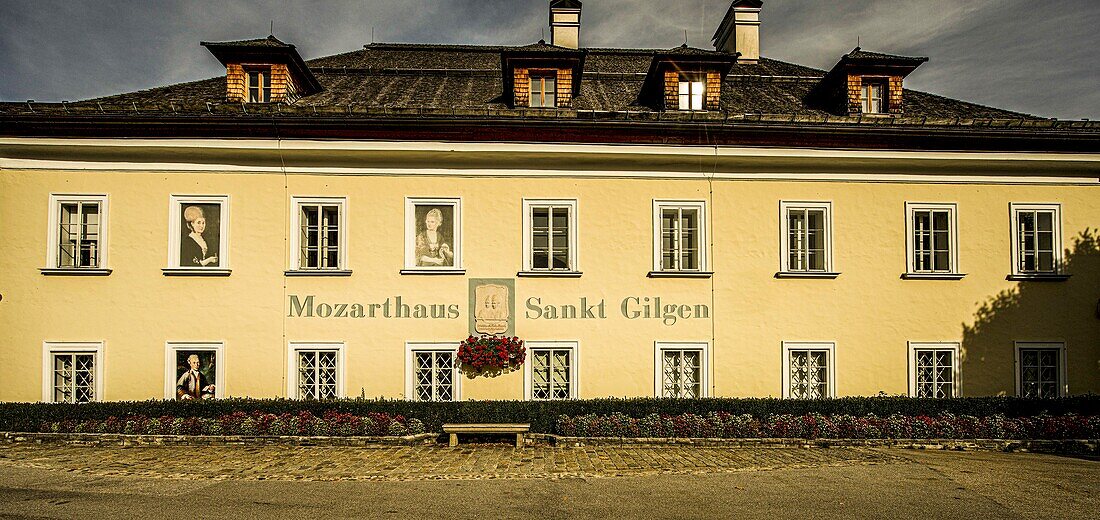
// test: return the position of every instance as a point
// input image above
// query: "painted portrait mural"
(435, 232)
(196, 374)
(200, 235)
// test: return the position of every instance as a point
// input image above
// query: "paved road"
(660, 482)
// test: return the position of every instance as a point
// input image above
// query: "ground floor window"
(316, 371)
(72, 372)
(934, 369)
(432, 372)
(808, 370)
(551, 371)
(1040, 370)
(681, 370)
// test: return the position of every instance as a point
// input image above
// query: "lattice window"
(320, 236)
(806, 239)
(935, 373)
(73, 377)
(809, 374)
(551, 373)
(932, 241)
(682, 373)
(1035, 235)
(680, 248)
(78, 234)
(318, 372)
(550, 238)
(1040, 372)
(435, 374)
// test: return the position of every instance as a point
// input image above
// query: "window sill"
(437, 272)
(806, 274)
(933, 276)
(195, 271)
(680, 274)
(319, 272)
(549, 274)
(1038, 277)
(65, 271)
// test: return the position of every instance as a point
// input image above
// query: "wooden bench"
(455, 429)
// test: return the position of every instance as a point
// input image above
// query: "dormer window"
(692, 89)
(544, 89)
(258, 84)
(874, 97)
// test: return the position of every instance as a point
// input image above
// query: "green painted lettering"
(297, 307)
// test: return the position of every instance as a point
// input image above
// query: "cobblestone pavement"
(404, 463)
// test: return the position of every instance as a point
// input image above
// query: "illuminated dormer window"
(258, 83)
(544, 89)
(692, 91)
(874, 97)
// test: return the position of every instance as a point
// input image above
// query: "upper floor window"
(1037, 240)
(72, 372)
(873, 97)
(320, 234)
(679, 235)
(198, 238)
(550, 235)
(806, 238)
(258, 84)
(78, 229)
(544, 91)
(692, 92)
(932, 239)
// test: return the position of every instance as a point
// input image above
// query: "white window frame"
(911, 271)
(170, 376)
(830, 358)
(51, 348)
(175, 209)
(296, 203)
(691, 81)
(956, 371)
(785, 270)
(411, 348)
(410, 235)
(1059, 265)
(659, 205)
(659, 348)
(294, 347)
(529, 205)
(574, 367)
(1060, 346)
(53, 240)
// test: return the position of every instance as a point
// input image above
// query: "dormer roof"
(684, 59)
(269, 50)
(542, 54)
(860, 60)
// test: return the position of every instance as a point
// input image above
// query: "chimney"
(565, 23)
(740, 30)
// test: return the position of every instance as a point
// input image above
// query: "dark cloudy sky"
(1038, 57)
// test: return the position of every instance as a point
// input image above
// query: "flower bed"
(817, 426)
(331, 424)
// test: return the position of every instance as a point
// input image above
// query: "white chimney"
(740, 30)
(565, 23)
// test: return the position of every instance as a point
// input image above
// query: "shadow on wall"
(1038, 311)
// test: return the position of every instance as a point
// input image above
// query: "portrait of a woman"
(433, 241)
(198, 248)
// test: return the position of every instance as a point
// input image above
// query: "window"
(808, 370)
(692, 91)
(72, 372)
(432, 372)
(316, 371)
(544, 90)
(933, 370)
(259, 85)
(198, 237)
(806, 238)
(551, 370)
(433, 236)
(1037, 240)
(681, 370)
(319, 240)
(1040, 370)
(550, 236)
(194, 371)
(873, 100)
(679, 236)
(931, 240)
(77, 239)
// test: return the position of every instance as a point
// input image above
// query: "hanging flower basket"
(491, 353)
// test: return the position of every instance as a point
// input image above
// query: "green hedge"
(543, 414)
